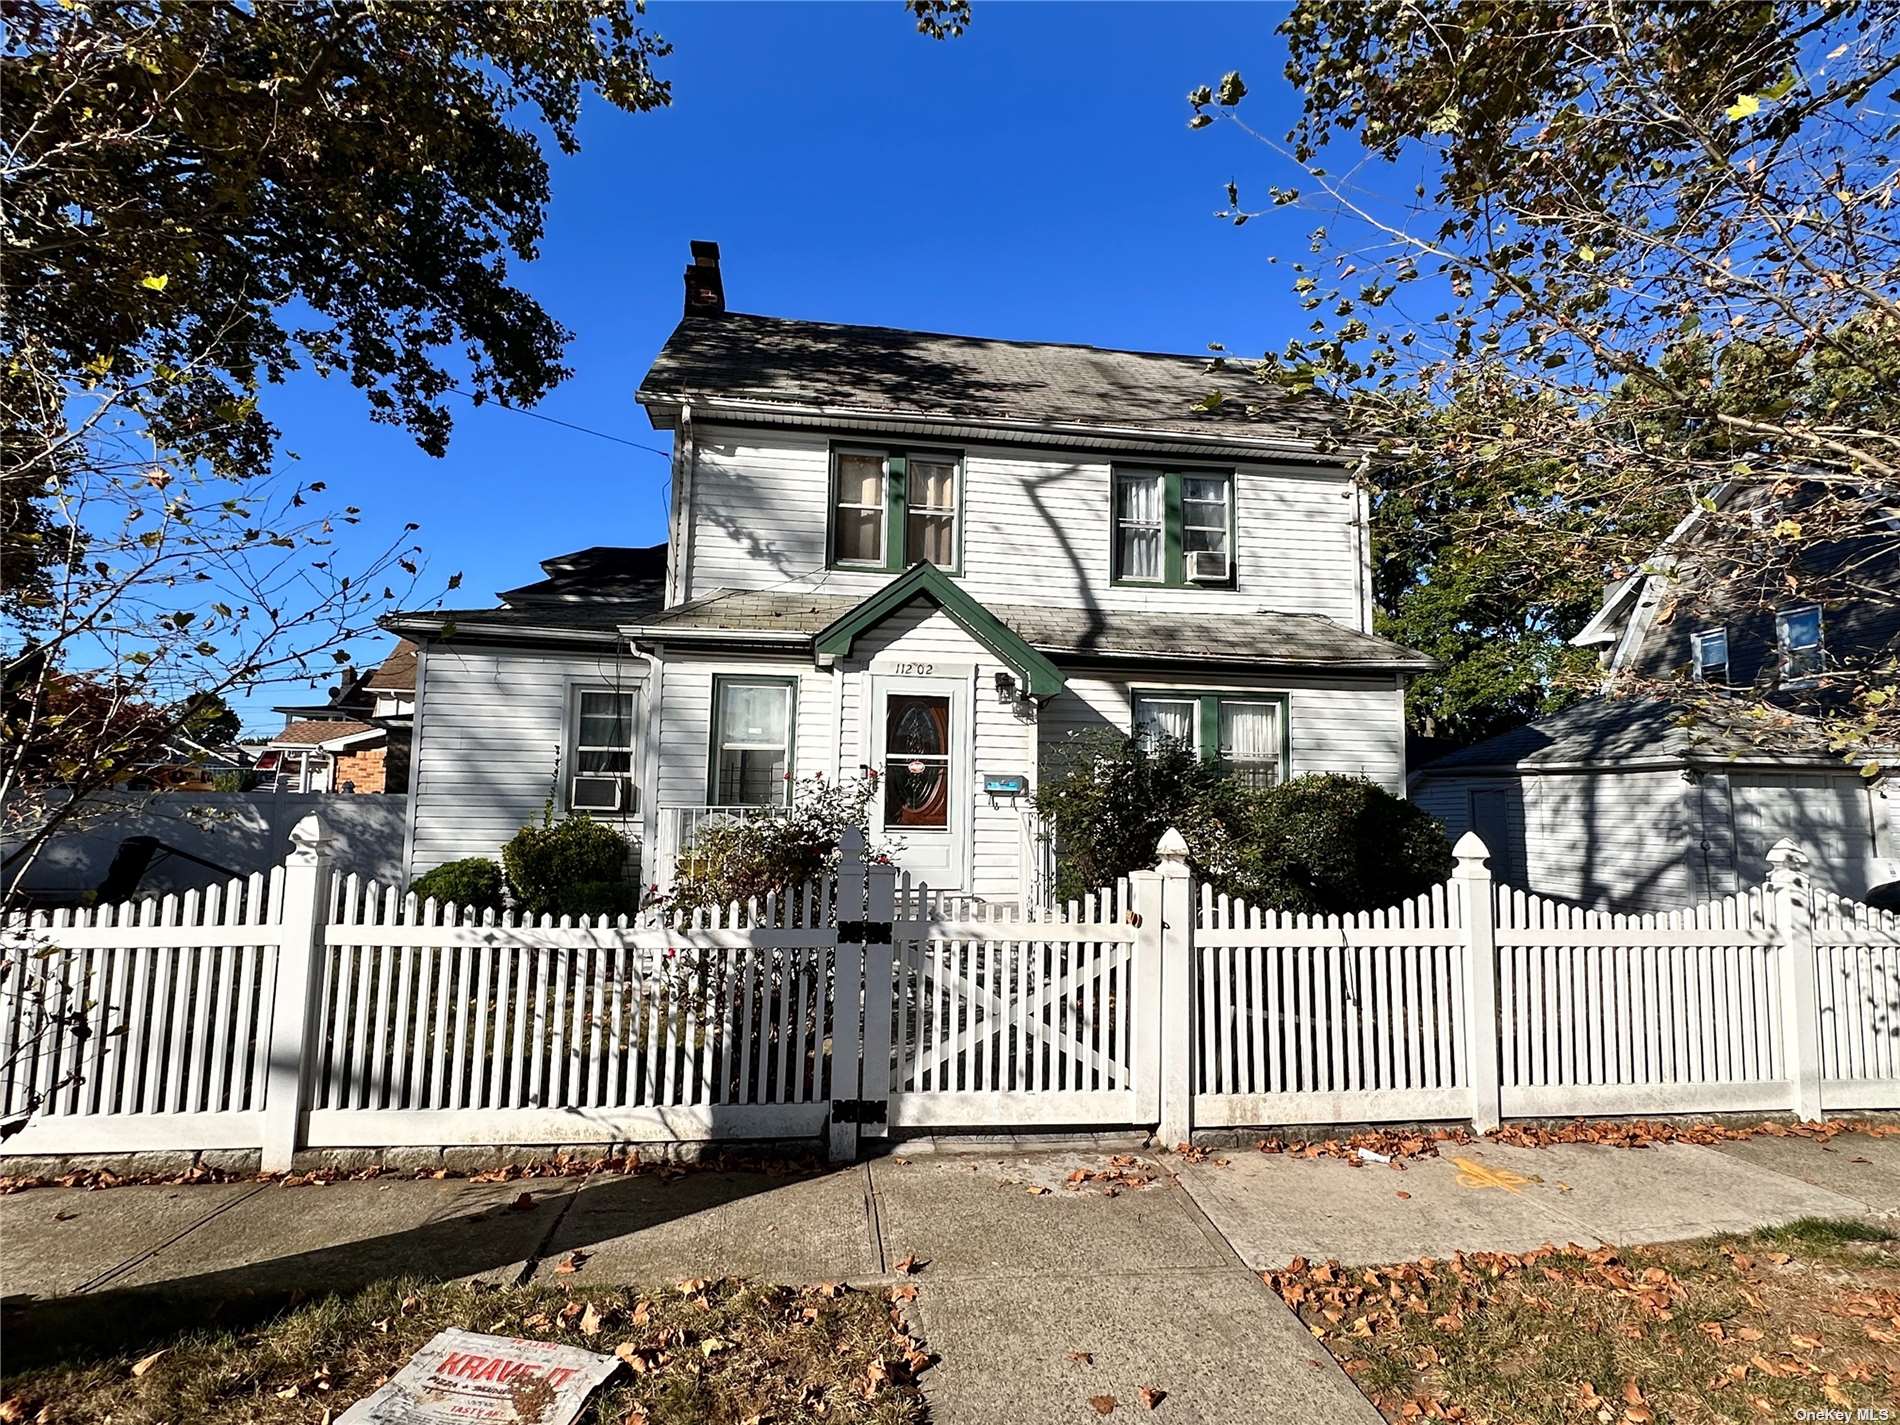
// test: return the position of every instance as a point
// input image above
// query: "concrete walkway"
(1039, 1293)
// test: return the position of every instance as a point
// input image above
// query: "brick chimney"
(705, 292)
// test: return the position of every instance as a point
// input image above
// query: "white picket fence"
(305, 1009)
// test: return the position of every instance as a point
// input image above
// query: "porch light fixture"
(1005, 688)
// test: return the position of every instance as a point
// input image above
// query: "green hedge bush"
(474, 881)
(1318, 843)
(575, 866)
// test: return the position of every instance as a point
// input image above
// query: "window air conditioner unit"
(1206, 566)
(593, 793)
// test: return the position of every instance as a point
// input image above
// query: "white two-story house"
(938, 556)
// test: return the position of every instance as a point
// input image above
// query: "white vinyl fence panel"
(1857, 952)
(311, 1009)
(1326, 1019)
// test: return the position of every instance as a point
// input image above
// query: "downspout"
(679, 541)
(1362, 536)
(415, 767)
(650, 759)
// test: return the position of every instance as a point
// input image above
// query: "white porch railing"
(679, 827)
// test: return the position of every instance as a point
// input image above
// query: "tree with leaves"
(1658, 242)
(201, 199)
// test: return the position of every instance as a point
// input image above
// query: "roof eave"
(662, 406)
(422, 626)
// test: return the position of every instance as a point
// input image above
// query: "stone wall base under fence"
(457, 1160)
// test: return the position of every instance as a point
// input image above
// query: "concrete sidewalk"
(1039, 1293)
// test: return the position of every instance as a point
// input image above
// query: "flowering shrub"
(731, 859)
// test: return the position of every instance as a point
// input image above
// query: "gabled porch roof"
(926, 581)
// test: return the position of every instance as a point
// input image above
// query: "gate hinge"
(859, 1110)
(864, 932)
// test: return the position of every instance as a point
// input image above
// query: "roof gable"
(926, 581)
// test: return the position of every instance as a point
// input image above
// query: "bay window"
(752, 742)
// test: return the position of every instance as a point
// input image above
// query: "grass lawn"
(713, 1352)
(1725, 1328)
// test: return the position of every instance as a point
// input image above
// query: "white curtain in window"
(1157, 718)
(1249, 732)
(1138, 524)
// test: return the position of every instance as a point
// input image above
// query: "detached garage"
(1616, 803)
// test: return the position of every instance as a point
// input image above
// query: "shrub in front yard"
(1107, 800)
(735, 860)
(575, 866)
(474, 882)
(1318, 843)
(1337, 844)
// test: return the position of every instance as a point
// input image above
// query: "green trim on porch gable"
(926, 580)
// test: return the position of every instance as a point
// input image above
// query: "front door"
(921, 747)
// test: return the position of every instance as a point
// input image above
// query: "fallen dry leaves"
(1692, 1325)
(1124, 1170)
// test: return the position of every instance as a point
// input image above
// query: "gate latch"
(864, 932)
(859, 1110)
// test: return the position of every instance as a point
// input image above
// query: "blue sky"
(1034, 179)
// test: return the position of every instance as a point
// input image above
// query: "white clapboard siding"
(1350, 725)
(1036, 529)
(1857, 973)
(490, 734)
(685, 731)
(1314, 1019)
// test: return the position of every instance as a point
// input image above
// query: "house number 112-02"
(914, 670)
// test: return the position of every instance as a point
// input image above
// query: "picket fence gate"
(307, 1010)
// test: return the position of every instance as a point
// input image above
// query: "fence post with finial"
(296, 1016)
(1800, 992)
(1477, 899)
(1175, 930)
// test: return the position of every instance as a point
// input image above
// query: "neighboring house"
(937, 556)
(1638, 803)
(355, 742)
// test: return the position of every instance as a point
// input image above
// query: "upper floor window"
(752, 741)
(891, 509)
(1711, 654)
(1798, 632)
(1174, 528)
(600, 773)
(1247, 733)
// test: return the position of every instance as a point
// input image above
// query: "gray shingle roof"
(1263, 636)
(1608, 731)
(891, 371)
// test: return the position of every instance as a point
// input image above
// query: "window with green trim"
(1245, 732)
(891, 509)
(1173, 528)
(752, 741)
